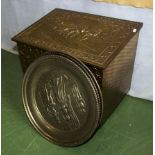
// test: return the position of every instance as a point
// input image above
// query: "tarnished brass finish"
(107, 46)
(93, 39)
(62, 99)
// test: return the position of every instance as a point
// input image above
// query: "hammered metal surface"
(91, 38)
(65, 106)
(117, 77)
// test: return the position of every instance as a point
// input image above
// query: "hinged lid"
(91, 38)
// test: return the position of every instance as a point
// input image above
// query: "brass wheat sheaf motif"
(59, 93)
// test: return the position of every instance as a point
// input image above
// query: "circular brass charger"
(62, 99)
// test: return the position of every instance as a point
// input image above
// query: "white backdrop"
(18, 14)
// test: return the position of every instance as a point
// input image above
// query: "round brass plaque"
(62, 99)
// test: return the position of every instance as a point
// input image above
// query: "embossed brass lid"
(91, 38)
(62, 99)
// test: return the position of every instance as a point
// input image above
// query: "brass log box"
(78, 67)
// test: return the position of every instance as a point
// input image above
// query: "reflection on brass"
(107, 46)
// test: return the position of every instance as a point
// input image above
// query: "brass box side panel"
(28, 54)
(91, 38)
(117, 77)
